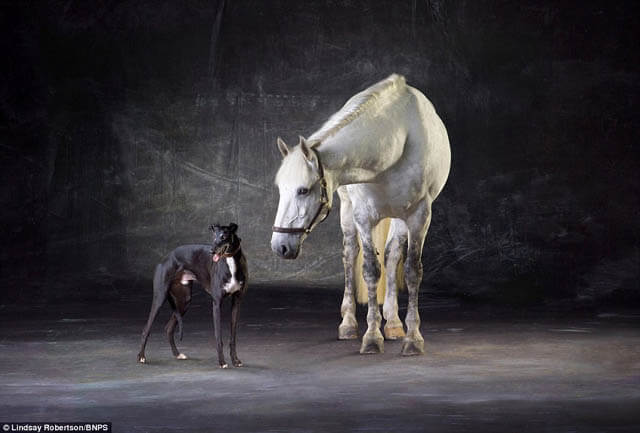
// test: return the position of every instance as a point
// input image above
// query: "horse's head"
(304, 198)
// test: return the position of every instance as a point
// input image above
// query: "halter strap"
(324, 206)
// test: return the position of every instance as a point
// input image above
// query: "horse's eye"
(303, 191)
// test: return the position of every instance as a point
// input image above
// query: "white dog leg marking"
(182, 356)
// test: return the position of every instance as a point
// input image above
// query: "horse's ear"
(282, 147)
(306, 150)
(233, 227)
(309, 155)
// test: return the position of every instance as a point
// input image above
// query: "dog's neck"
(232, 253)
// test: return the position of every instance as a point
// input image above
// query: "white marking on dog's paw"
(142, 360)
(224, 366)
(182, 356)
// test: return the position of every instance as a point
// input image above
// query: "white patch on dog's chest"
(233, 285)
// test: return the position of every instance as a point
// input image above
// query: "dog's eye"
(303, 191)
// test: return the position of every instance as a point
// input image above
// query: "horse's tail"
(379, 236)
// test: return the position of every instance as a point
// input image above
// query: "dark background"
(128, 127)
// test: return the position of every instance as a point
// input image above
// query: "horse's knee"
(370, 269)
(350, 249)
(413, 271)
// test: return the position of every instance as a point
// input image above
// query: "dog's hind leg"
(170, 329)
(176, 314)
(179, 299)
(160, 289)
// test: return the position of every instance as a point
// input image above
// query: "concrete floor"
(483, 371)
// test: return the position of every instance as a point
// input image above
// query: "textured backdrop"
(129, 127)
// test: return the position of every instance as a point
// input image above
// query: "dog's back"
(221, 270)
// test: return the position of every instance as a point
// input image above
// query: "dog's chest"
(233, 285)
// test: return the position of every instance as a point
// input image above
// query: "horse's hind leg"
(372, 341)
(348, 329)
(160, 290)
(418, 224)
(393, 255)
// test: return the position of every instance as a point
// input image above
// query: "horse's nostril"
(283, 249)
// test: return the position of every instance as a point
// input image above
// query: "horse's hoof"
(182, 356)
(412, 347)
(347, 332)
(372, 343)
(142, 359)
(224, 365)
(393, 332)
(237, 363)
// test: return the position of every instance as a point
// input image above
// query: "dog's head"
(225, 240)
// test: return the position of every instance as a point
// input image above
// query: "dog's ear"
(233, 227)
(214, 227)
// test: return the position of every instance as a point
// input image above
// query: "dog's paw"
(224, 365)
(142, 360)
(237, 363)
(182, 356)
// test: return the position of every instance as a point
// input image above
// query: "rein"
(324, 209)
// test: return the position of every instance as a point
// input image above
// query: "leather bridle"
(321, 214)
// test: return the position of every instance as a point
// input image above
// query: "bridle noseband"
(323, 210)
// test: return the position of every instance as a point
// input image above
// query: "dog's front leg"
(216, 331)
(235, 306)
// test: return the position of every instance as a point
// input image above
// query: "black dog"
(221, 270)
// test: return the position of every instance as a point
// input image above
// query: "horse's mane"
(357, 105)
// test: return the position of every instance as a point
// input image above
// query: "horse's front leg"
(348, 329)
(393, 254)
(418, 224)
(372, 341)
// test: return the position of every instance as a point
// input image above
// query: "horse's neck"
(352, 157)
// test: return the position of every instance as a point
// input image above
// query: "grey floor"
(484, 370)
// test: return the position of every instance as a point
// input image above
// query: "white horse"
(387, 154)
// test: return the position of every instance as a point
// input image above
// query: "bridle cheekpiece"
(323, 210)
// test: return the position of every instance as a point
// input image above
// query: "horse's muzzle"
(285, 245)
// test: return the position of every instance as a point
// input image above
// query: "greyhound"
(202, 263)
